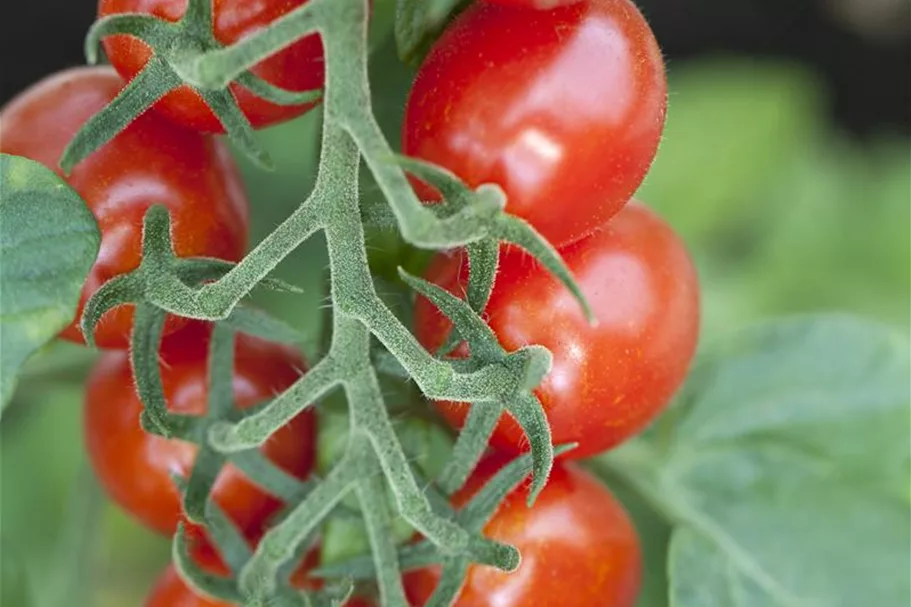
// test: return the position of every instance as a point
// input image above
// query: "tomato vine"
(615, 298)
(496, 380)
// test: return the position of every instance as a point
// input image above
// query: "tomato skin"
(171, 591)
(300, 67)
(535, 4)
(578, 545)
(135, 467)
(607, 382)
(562, 108)
(151, 161)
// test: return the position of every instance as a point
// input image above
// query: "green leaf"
(773, 533)
(48, 243)
(15, 582)
(833, 388)
(784, 468)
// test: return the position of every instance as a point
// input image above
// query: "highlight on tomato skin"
(607, 381)
(135, 467)
(579, 547)
(299, 67)
(150, 162)
(562, 108)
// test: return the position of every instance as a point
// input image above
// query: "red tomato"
(578, 546)
(151, 161)
(562, 108)
(135, 466)
(536, 4)
(171, 591)
(607, 381)
(300, 67)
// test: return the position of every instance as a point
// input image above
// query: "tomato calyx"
(176, 47)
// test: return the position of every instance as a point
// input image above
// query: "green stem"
(378, 519)
(279, 546)
(150, 85)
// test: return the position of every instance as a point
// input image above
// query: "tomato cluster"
(563, 109)
(559, 102)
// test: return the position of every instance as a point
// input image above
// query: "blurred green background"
(783, 211)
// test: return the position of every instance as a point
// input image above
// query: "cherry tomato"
(135, 467)
(578, 546)
(151, 161)
(171, 591)
(607, 381)
(561, 108)
(299, 67)
(536, 4)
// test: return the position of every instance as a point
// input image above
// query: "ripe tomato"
(607, 381)
(536, 4)
(578, 546)
(151, 161)
(299, 67)
(135, 467)
(562, 108)
(171, 591)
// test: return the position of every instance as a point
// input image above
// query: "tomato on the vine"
(151, 162)
(536, 4)
(562, 108)
(299, 67)
(171, 591)
(136, 467)
(578, 545)
(607, 381)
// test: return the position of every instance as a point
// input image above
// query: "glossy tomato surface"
(608, 381)
(151, 162)
(300, 67)
(135, 467)
(578, 545)
(171, 591)
(562, 108)
(536, 4)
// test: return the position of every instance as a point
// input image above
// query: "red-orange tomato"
(171, 591)
(608, 381)
(151, 161)
(536, 4)
(135, 467)
(300, 67)
(562, 108)
(578, 546)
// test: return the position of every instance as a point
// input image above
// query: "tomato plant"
(296, 68)
(204, 424)
(150, 162)
(579, 547)
(562, 108)
(607, 381)
(171, 591)
(136, 467)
